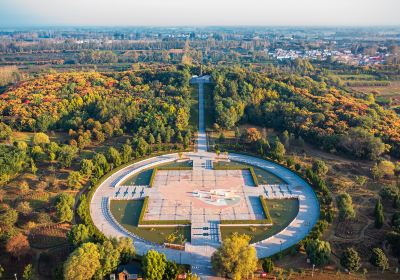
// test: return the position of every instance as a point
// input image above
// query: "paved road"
(198, 255)
(201, 137)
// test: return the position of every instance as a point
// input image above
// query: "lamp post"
(15, 275)
(312, 273)
(280, 248)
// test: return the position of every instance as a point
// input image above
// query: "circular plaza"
(184, 205)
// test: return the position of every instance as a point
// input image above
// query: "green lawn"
(282, 212)
(143, 178)
(127, 213)
(263, 176)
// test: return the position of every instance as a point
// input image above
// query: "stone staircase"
(203, 233)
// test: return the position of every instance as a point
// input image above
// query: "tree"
(182, 119)
(285, 139)
(82, 263)
(87, 167)
(154, 265)
(320, 167)
(24, 208)
(345, 205)
(74, 180)
(28, 273)
(382, 169)
(127, 152)
(100, 162)
(18, 245)
(79, 234)
(142, 146)
(268, 265)
(40, 139)
(1, 271)
(64, 213)
(379, 259)
(126, 249)
(350, 259)
(5, 132)
(8, 218)
(252, 135)
(171, 271)
(109, 259)
(278, 150)
(64, 205)
(318, 251)
(235, 258)
(114, 157)
(66, 154)
(190, 276)
(378, 213)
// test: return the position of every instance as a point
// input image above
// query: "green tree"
(318, 251)
(101, 162)
(8, 217)
(114, 157)
(142, 146)
(382, 169)
(126, 153)
(109, 259)
(235, 258)
(278, 150)
(350, 259)
(171, 271)
(66, 154)
(40, 139)
(126, 249)
(345, 205)
(5, 132)
(151, 139)
(268, 265)
(320, 167)
(64, 206)
(378, 213)
(286, 139)
(82, 263)
(24, 208)
(74, 180)
(154, 265)
(87, 167)
(28, 273)
(379, 259)
(79, 234)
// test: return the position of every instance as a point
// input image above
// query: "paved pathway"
(205, 233)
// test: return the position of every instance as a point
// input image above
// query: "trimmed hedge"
(142, 222)
(265, 208)
(153, 176)
(230, 167)
(254, 176)
(176, 168)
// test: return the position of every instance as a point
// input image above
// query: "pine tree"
(378, 213)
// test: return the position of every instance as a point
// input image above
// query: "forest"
(314, 109)
(62, 132)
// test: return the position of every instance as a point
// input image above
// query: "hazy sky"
(197, 12)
